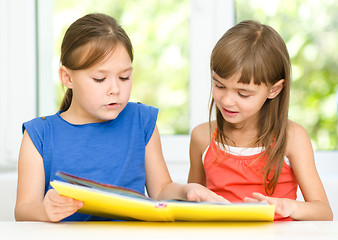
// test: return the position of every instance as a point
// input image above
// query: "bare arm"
(31, 205)
(158, 182)
(300, 154)
(316, 205)
(199, 141)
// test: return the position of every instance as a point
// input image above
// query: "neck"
(75, 116)
(245, 136)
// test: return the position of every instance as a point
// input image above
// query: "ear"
(64, 74)
(276, 89)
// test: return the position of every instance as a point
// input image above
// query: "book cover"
(124, 204)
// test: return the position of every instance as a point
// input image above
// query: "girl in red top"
(252, 152)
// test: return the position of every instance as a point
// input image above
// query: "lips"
(229, 112)
(112, 105)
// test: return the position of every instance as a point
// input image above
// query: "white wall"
(17, 75)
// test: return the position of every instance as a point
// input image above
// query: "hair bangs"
(233, 56)
(253, 71)
(223, 65)
(92, 53)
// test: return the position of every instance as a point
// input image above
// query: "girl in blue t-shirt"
(97, 134)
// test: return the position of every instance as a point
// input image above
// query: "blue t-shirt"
(110, 152)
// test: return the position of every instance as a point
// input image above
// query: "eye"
(99, 79)
(243, 95)
(124, 78)
(217, 85)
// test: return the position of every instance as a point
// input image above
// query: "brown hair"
(88, 41)
(259, 54)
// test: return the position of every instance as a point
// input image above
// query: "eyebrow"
(127, 69)
(217, 80)
(122, 71)
(246, 90)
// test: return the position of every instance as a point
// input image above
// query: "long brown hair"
(259, 53)
(88, 41)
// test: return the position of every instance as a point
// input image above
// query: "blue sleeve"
(148, 118)
(35, 130)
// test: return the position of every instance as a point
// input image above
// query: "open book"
(120, 203)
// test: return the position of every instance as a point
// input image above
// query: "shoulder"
(144, 116)
(201, 135)
(201, 131)
(295, 132)
(297, 140)
(139, 105)
(141, 108)
(39, 123)
(37, 130)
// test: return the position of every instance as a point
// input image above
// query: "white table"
(172, 231)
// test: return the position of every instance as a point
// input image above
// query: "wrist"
(293, 206)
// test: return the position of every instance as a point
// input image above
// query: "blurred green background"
(159, 31)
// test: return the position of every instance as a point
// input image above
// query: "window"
(27, 67)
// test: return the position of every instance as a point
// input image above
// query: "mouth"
(229, 112)
(112, 105)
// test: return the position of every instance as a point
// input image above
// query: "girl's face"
(239, 103)
(101, 92)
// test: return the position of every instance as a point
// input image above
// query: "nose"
(114, 87)
(228, 99)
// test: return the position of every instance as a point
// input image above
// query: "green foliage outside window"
(310, 30)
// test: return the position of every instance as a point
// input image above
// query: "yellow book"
(124, 204)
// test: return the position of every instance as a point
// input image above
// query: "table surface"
(175, 230)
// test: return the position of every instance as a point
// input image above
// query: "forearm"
(31, 212)
(314, 211)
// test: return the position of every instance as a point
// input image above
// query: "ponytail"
(66, 101)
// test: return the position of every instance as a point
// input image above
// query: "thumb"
(193, 196)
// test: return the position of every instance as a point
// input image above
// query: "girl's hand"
(199, 193)
(284, 206)
(58, 207)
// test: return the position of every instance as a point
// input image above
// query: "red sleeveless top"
(236, 173)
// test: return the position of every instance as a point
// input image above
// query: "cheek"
(127, 88)
(252, 106)
(215, 95)
(89, 94)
